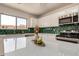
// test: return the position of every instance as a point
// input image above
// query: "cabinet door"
(1, 46)
(21, 43)
(9, 45)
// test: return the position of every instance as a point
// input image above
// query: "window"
(21, 23)
(8, 22)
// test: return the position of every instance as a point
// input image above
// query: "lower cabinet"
(12, 44)
(9, 45)
(20, 43)
(1, 47)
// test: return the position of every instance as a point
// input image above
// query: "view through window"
(21, 23)
(8, 22)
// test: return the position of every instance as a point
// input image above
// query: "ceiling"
(36, 9)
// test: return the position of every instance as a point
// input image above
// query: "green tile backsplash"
(16, 31)
(52, 30)
(58, 29)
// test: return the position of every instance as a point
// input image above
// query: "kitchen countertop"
(15, 35)
(70, 32)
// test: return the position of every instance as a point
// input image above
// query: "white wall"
(51, 19)
(48, 21)
(33, 22)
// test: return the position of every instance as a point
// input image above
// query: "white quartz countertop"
(15, 35)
